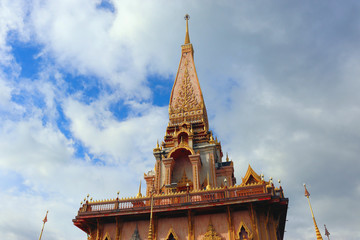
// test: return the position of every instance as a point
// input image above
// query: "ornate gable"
(251, 177)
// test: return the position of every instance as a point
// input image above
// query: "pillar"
(196, 163)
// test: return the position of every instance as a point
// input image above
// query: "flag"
(307, 194)
(326, 231)
(45, 218)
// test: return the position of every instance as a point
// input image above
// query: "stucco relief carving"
(186, 99)
(211, 234)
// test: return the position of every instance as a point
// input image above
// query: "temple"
(192, 192)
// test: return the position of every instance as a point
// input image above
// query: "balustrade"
(178, 199)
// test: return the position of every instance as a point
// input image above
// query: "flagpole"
(318, 234)
(44, 221)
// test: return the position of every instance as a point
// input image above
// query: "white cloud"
(96, 127)
(280, 82)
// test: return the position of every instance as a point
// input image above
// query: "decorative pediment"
(243, 233)
(211, 234)
(171, 235)
(251, 177)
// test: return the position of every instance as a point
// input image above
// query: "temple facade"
(192, 192)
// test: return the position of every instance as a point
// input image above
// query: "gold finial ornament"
(139, 195)
(187, 37)
(318, 234)
(211, 139)
(208, 187)
(157, 147)
(227, 157)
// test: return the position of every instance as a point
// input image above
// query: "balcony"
(181, 200)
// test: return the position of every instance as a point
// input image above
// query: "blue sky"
(85, 85)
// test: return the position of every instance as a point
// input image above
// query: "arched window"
(107, 237)
(171, 237)
(243, 235)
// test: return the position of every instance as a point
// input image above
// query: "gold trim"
(179, 147)
(230, 223)
(171, 231)
(247, 230)
(250, 172)
(107, 235)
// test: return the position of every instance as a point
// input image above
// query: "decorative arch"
(192, 152)
(183, 138)
(171, 235)
(107, 237)
(244, 233)
(183, 130)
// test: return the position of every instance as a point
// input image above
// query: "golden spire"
(187, 37)
(318, 234)
(139, 195)
(227, 157)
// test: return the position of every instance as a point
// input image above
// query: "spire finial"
(139, 193)
(187, 37)
(318, 234)
(208, 187)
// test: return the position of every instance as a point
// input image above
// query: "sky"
(85, 87)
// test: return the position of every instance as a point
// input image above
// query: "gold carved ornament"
(211, 234)
(186, 100)
(184, 180)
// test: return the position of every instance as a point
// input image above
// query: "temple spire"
(186, 100)
(187, 37)
(318, 234)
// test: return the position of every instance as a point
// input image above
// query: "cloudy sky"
(85, 84)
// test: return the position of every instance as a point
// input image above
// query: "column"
(169, 164)
(196, 163)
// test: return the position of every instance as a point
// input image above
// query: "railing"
(182, 198)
